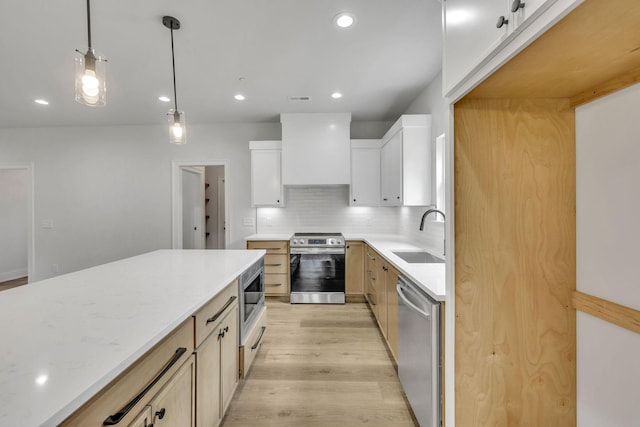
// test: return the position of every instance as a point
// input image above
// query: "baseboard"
(13, 274)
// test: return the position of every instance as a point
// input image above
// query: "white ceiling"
(282, 47)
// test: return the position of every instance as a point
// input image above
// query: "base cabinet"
(354, 268)
(276, 266)
(174, 405)
(217, 358)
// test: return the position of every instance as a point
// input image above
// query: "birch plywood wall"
(515, 262)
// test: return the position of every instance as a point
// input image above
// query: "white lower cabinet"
(217, 378)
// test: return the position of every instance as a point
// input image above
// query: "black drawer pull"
(160, 413)
(262, 329)
(117, 417)
(219, 313)
(273, 265)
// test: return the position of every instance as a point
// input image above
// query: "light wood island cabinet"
(163, 386)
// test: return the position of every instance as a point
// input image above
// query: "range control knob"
(301, 241)
(331, 241)
(295, 242)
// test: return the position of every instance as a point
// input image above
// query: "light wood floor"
(320, 366)
(13, 283)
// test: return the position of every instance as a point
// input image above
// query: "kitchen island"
(64, 339)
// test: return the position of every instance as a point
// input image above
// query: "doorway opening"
(199, 192)
(16, 229)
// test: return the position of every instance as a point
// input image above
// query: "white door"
(193, 200)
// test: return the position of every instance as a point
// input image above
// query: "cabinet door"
(208, 378)
(174, 405)
(144, 419)
(392, 310)
(365, 177)
(229, 357)
(527, 10)
(391, 171)
(381, 293)
(355, 268)
(470, 35)
(266, 178)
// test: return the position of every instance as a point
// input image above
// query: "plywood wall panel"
(515, 262)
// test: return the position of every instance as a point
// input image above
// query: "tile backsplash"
(324, 209)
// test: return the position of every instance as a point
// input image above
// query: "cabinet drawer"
(271, 246)
(276, 264)
(276, 284)
(159, 364)
(252, 345)
(208, 316)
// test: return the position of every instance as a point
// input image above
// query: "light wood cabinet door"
(144, 419)
(208, 382)
(174, 405)
(381, 293)
(355, 268)
(229, 358)
(392, 310)
(218, 369)
(276, 266)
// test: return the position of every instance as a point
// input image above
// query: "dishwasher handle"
(411, 305)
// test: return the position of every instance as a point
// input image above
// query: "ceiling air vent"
(299, 98)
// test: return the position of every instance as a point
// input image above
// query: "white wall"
(108, 190)
(608, 202)
(430, 101)
(14, 190)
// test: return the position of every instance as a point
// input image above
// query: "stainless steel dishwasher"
(419, 351)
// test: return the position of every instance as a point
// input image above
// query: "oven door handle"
(317, 251)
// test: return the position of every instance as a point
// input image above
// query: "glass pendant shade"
(91, 88)
(177, 127)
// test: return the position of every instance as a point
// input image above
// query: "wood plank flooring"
(13, 283)
(319, 366)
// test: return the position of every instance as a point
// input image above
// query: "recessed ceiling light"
(41, 101)
(239, 97)
(344, 20)
(164, 99)
(336, 95)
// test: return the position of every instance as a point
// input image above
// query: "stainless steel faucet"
(424, 216)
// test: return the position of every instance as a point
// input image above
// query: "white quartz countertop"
(63, 339)
(431, 278)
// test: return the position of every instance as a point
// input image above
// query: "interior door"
(193, 199)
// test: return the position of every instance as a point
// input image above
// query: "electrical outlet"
(55, 268)
(248, 221)
(47, 223)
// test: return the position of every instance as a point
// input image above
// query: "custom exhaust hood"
(316, 148)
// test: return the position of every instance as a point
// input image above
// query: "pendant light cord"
(173, 63)
(89, 22)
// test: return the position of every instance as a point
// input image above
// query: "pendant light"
(177, 128)
(91, 70)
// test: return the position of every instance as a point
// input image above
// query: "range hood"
(316, 149)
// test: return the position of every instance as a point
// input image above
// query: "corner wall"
(14, 205)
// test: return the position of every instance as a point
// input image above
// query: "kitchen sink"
(418, 257)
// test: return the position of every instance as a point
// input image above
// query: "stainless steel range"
(317, 268)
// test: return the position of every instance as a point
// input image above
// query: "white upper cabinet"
(471, 34)
(365, 172)
(474, 46)
(406, 162)
(316, 149)
(391, 170)
(266, 173)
